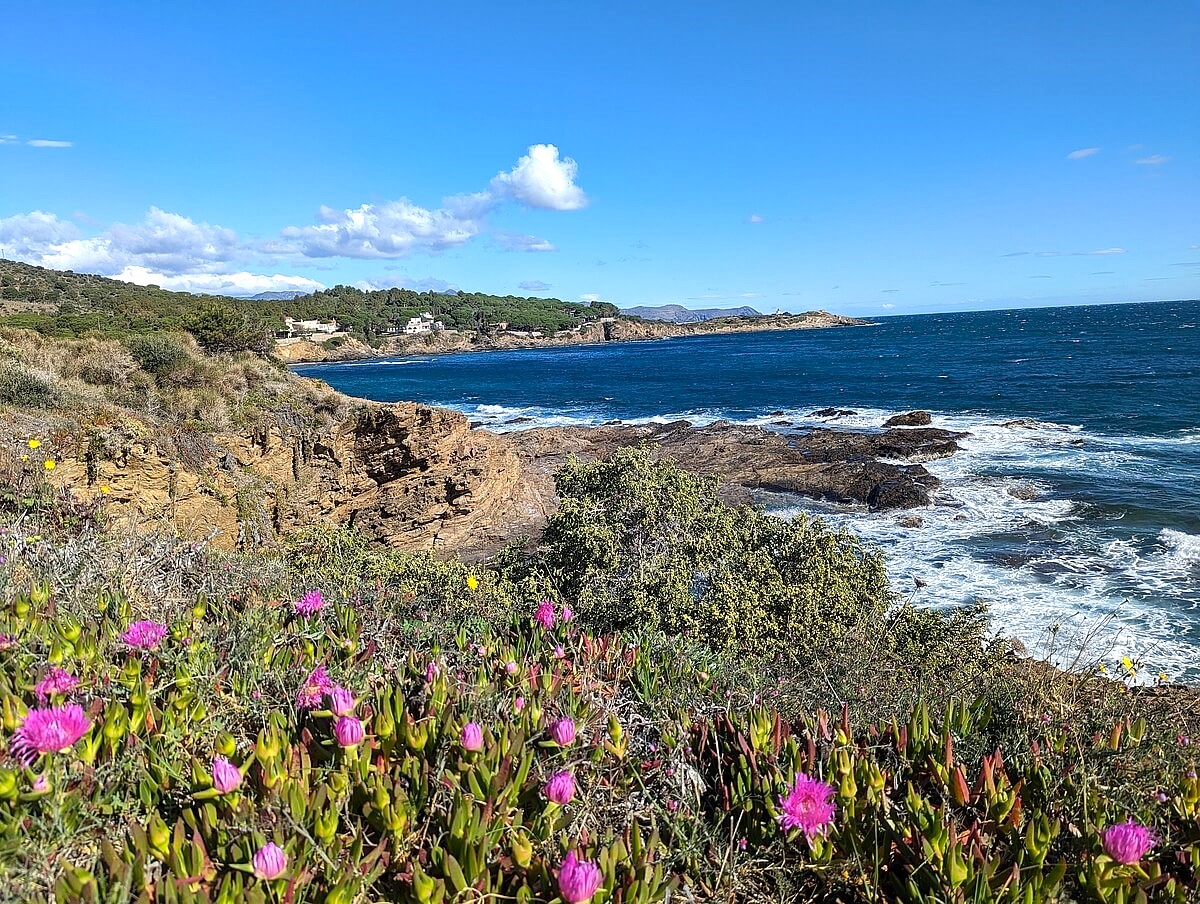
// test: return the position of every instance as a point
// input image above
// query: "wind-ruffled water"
(1076, 500)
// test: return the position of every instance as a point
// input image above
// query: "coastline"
(305, 352)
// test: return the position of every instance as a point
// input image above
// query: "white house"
(423, 324)
(308, 327)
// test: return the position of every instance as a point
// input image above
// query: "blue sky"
(862, 157)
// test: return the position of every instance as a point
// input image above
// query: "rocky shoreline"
(621, 330)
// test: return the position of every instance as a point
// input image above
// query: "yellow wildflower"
(472, 582)
(1103, 668)
(105, 489)
(49, 464)
(34, 443)
(1128, 663)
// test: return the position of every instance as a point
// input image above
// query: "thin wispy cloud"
(1104, 272)
(887, 305)
(1041, 276)
(8, 139)
(889, 290)
(533, 285)
(1098, 252)
(943, 285)
(1082, 153)
(512, 241)
(49, 143)
(1152, 160)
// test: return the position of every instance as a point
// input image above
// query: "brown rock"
(909, 419)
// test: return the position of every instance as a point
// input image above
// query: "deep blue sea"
(1102, 562)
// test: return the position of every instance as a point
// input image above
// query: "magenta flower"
(519, 704)
(472, 737)
(349, 731)
(577, 881)
(567, 614)
(41, 784)
(314, 689)
(144, 635)
(56, 681)
(510, 668)
(269, 861)
(309, 604)
(7, 641)
(807, 807)
(431, 672)
(560, 788)
(563, 732)
(225, 775)
(51, 730)
(544, 615)
(1128, 842)
(341, 701)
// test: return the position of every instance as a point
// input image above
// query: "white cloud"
(1082, 153)
(390, 229)
(428, 284)
(1105, 251)
(240, 283)
(8, 139)
(511, 241)
(589, 296)
(29, 234)
(1152, 160)
(755, 218)
(541, 179)
(887, 305)
(533, 285)
(48, 143)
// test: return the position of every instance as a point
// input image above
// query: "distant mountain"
(285, 295)
(677, 313)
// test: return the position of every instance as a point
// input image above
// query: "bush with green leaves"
(21, 388)
(158, 353)
(642, 542)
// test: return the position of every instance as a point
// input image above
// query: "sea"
(1073, 511)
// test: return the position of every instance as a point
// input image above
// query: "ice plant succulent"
(544, 615)
(807, 807)
(309, 604)
(563, 732)
(560, 788)
(269, 861)
(341, 701)
(144, 635)
(349, 731)
(314, 689)
(49, 730)
(56, 681)
(577, 880)
(1128, 842)
(472, 737)
(225, 775)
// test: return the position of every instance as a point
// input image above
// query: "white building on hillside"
(423, 324)
(295, 327)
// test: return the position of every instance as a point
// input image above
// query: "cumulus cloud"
(48, 143)
(541, 179)
(1082, 153)
(165, 249)
(887, 305)
(589, 297)
(755, 218)
(391, 229)
(512, 241)
(533, 285)
(1152, 160)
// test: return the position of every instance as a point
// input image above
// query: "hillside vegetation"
(63, 304)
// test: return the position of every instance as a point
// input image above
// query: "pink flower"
(544, 615)
(349, 731)
(560, 788)
(144, 635)
(472, 737)
(314, 689)
(269, 861)
(225, 775)
(341, 701)
(57, 681)
(309, 604)
(41, 783)
(563, 732)
(519, 704)
(431, 672)
(567, 614)
(510, 667)
(577, 881)
(559, 652)
(1128, 842)
(51, 730)
(807, 806)
(7, 641)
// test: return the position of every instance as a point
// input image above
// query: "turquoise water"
(1107, 445)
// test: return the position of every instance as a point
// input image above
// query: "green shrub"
(157, 353)
(23, 389)
(643, 543)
